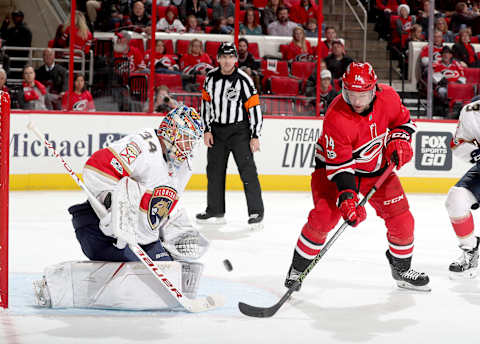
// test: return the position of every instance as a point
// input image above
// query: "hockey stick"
(265, 312)
(192, 305)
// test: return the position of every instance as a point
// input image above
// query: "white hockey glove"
(181, 239)
(125, 202)
(106, 224)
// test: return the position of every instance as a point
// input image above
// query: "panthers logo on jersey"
(162, 202)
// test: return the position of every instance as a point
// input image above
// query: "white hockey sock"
(468, 243)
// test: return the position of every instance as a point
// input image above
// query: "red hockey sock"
(463, 226)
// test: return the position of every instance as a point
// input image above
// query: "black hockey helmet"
(227, 48)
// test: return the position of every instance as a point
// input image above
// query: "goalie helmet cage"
(4, 176)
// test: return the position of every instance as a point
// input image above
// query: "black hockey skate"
(405, 276)
(206, 218)
(255, 221)
(466, 266)
(291, 279)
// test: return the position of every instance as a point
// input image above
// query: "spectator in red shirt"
(302, 12)
(299, 49)
(403, 25)
(195, 61)
(446, 71)
(164, 63)
(385, 8)
(123, 51)
(326, 44)
(83, 36)
(464, 51)
(32, 92)
(81, 98)
(437, 50)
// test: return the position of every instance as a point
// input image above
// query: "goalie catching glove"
(399, 150)
(347, 204)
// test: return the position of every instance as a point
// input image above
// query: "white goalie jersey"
(158, 184)
(467, 135)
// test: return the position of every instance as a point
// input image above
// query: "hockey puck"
(228, 265)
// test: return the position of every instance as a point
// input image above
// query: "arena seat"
(282, 85)
(472, 75)
(182, 46)
(138, 43)
(138, 86)
(211, 48)
(302, 70)
(253, 49)
(172, 81)
(460, 93)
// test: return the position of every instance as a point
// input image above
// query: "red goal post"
(4, 176)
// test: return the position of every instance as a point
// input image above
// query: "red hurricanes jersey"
(135, 57)
(355, 144)
(451, 72)
(437, 53)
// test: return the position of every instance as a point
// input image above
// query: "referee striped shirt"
(228, 99)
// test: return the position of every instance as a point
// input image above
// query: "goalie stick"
(192, 305)
(266, 312)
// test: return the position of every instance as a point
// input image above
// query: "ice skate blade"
(406, 285)
(213, 221)
(464, 275)
(256, 226)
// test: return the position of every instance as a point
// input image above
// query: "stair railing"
(362, 23)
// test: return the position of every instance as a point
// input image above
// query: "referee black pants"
(233, 138)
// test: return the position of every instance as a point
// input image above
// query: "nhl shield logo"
(162, 202)
(232, 94)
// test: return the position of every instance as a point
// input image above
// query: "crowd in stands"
(456, 23)
(187, 63)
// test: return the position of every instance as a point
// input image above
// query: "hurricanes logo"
(449, 74)
(231, 94)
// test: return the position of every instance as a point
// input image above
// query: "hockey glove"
(347, 204)
(475, 154)
(399, 150)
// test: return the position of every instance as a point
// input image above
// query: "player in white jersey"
(148, 169)
(465, 195)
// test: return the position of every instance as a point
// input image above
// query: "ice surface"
(349, 297)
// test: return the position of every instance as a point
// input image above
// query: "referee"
(233, 122)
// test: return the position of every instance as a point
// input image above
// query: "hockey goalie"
(139, 180)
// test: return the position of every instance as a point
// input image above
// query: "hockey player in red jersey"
(364, 130)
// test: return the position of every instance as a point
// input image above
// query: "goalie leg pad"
(106, 285)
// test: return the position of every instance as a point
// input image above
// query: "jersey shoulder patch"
(130, 152)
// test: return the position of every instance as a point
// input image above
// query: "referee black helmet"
(227, 48)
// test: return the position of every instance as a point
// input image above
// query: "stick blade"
(258, 312)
